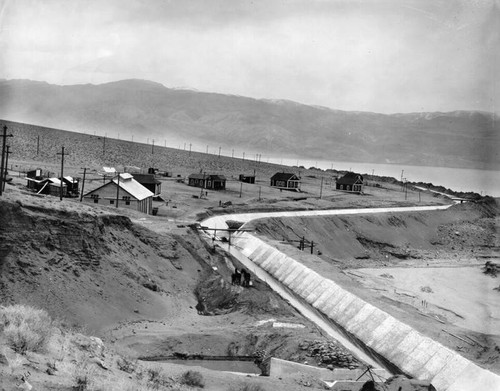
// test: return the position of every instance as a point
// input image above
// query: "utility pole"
(260, 189)
(321, 189)
(153, 147)
(241, 188)
(219, 152)
(118, 190)
(4, 140)
(190, 149)
(83, 183)
(62, 173)
(202, 185)
(6, 166)
(207, 150)
(243, 155)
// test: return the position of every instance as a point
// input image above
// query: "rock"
(3, 359)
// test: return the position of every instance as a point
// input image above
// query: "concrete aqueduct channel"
(381, 335)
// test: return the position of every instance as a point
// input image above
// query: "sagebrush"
(25, 328)
(193, 379)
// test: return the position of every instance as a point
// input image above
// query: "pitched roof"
(131, 186)
(350, 178)
(284, 176)
(212, 177)
(146, 178)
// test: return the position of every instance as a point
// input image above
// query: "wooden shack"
(285, 181)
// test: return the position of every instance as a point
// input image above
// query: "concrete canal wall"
(413, 353)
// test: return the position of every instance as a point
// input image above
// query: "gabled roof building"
(285, 181)
(122, 191)
(207, 181)
(350, 182)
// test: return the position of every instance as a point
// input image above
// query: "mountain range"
(144, 109)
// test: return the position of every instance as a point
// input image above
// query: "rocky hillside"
(150, 110)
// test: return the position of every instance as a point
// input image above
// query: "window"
(126, 198)
(127, 202)
(96, 200)
(111, 202)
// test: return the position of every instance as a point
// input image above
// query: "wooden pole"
(4, 140)
(321, 189)
(83, 183)
(118, 190)
(62, 174)
(241, 188)
(6, 165)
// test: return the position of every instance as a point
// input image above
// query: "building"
(350, 182)
(149, 182)
(207, 181)
(72, 185)
(285, 181)
(122, 191)
(51, 186)
(247, 178)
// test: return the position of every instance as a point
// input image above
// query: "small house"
(122, 191)
(285, 181)
(207, 181)
(350, 182)
(72, 185)
(52, 186)
(149, 182)
(247, 178)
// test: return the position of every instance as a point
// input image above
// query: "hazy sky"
(372, 55)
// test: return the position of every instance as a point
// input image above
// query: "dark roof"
(350, 178)
(284, 176)
(146, 179)
(212, 177)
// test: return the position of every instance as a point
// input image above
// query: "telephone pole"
(4, 140)
(83, 183)
(62, 175)
(6, 166)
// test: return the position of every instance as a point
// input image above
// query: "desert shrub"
(155, 378)
(126, 365)
(193, 379)
(25, 328)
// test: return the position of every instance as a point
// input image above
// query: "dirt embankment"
(464, 231)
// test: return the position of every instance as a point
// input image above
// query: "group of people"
(242, 278)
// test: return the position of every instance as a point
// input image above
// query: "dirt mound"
(90, 270)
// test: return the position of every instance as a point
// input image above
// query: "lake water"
(485, 182)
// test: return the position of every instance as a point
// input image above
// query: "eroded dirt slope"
(462, 231)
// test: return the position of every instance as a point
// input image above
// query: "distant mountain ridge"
(146, 109)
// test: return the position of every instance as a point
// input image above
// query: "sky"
(385, 56)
